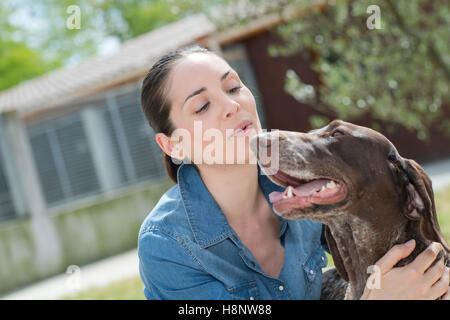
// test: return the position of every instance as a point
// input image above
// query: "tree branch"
(436, 59)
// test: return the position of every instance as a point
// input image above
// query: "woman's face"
(208, 102)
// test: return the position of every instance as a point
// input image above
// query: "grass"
(131, 289)
(127, 289)
(442, 201)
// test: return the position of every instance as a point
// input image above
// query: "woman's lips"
(244, 131)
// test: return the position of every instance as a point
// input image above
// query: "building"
(79, 167)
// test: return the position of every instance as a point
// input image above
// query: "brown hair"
(154, 102)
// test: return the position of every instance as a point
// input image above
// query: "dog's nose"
(266, 148)
(260, 141)
(264, 141)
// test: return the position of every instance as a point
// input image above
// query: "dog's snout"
(260, 141)
(264, 141)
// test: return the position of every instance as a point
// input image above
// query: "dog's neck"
(361, 245)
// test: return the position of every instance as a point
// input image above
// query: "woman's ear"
(172, 148)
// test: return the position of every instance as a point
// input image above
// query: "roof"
(131, 60)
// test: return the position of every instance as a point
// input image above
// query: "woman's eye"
(337, 133)
(202, 109)
(235, 89)
(205, 107)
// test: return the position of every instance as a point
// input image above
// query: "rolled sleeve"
(168, 271)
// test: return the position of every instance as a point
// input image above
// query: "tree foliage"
(19, 61)
(35, 37)
(398, 74)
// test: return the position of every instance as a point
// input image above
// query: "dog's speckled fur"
(390, 199)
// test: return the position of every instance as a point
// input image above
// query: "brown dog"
(352, 179)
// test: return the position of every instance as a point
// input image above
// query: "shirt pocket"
(245, 291)
(312, 269)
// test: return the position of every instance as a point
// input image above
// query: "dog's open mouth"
(301, 194)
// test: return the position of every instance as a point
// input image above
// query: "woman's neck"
(234, 187)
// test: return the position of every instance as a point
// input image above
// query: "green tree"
(18, 60)
(104, 19)
(398, 74)
(35, 39)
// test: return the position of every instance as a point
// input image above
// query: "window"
(62, 159)
(136, 152)
(6, 204)
(144, 152)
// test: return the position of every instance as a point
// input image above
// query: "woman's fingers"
(434, 273)
(424, 260)
(447, 295)
(441, 286)
(394, 255)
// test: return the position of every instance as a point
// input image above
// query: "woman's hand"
(416, 280)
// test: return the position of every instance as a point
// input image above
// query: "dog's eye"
(393, 159)
(337, 133)
(396, 163)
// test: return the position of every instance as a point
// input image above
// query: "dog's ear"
(338, 262)
(418, 198)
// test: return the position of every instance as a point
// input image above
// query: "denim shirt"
(187, 250)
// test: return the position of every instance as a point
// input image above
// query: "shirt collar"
(208, 223)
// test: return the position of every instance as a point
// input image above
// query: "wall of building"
(84, 231)
(75, 184)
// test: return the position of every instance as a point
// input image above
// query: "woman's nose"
(231, 106)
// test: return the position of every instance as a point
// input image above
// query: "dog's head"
(346, 169)
(326, 171)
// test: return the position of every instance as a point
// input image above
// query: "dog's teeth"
(289, 192)
(323, 188)
(331, 185)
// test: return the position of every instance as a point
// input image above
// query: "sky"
(30, 16)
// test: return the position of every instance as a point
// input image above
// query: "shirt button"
(323, 259)
(281, 288)
(235, 238)
(253, 263)
(252, 298)
(311, 272)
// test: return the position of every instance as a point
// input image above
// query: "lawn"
(442, 200)
(131, 289)
(128, 289)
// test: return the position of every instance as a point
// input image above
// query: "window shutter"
(62, 159)
(76, 156)
(144, 152)
(6, 204)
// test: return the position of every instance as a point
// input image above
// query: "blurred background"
(79, 167)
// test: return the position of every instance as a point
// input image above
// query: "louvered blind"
(45, 163)
(76, 157)
(145, 154)
(63, 159)
(6, 204)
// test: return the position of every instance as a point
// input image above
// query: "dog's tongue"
(303, 190)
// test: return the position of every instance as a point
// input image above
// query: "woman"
(214, 234)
